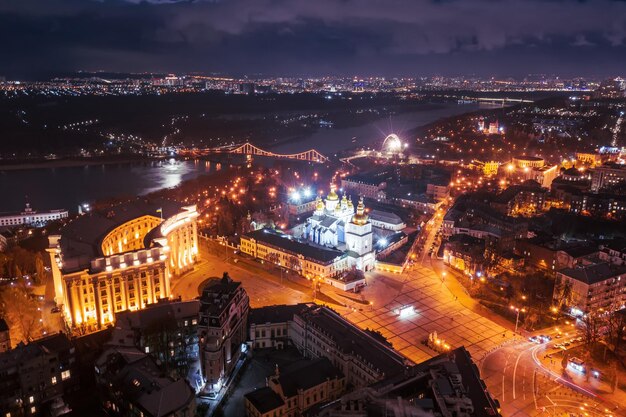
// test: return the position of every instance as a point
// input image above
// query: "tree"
(592, 322)
(40, 270)
(531, 320)
(616, 326)
(563, 292)
(272, 257)
(20, 311)
(293, 263)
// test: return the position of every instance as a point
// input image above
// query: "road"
(509, 364)
(524, 387)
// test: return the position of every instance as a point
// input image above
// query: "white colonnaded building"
(121, 258)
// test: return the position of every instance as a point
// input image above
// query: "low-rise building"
(366, 184)
(300, 386)
(167, 330)
(484, 222)
(32, 217)
(555, 254)
(269, 326)
(386, 220)
(593, 288)
(35, 374)
(446, 385)
(465, 253)
(130, 383)
(438, 189)
(320, 332)
(306, 258)
(614, 252)
(526, 199)
(222, 326)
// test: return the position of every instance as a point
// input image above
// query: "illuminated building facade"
(222, 329)
(607, 175)
(30, 216)
(121, 259)
(526, 161)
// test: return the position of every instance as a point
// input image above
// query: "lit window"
(33, 410)
(54, 380)
(65, 375)
(31, 399)
(147, 349)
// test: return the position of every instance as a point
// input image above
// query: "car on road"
(55, 309)
(544, 339)
(534, 339)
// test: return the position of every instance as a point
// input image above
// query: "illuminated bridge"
(502, 100)
(249, 149)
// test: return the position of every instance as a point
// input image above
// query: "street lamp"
(517, 310)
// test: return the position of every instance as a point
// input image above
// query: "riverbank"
(74, 162)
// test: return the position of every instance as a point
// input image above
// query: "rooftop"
(295, 246)
(528, 158)
(306, 374)
(81, 238)
(386, 217)
(159, 312)
(217, 295)
(275, 314)
(353, 341)
(264, 399)
(454, 374)
(592, 274)
(138, 378)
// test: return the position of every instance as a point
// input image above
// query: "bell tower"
(359, 238)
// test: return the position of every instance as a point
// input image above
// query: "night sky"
(314, 37)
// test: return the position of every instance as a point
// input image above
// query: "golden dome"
(360, 217)
(319, 204)
(332, 196)
(350, 202)
(338, 208)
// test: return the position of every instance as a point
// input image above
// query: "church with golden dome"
(336, 223)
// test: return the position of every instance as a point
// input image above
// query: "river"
(67, 187)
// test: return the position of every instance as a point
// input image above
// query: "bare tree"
(272, 257)
(293, 263)
(616, 326)
(20, 312)
(563, 292)
(592, 324)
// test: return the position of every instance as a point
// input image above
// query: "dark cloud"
(392, 37)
